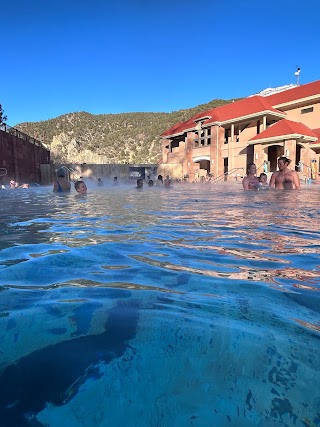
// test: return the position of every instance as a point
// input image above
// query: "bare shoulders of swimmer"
(61, 184)
(251, 181)
(284, 178)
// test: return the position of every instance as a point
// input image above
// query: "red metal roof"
(248, 106)
(296, 93)
(244, 107)
(317, 132)
(285, 127)
(188, 124)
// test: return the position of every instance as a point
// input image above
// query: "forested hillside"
(108, 138)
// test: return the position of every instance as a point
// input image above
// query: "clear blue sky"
(105, 56)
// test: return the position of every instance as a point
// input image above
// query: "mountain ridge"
(83, 137)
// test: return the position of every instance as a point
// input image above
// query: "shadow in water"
(55, 373)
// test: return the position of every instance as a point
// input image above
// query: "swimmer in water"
(284, 178)
(81, 188)
(167, 181)
(61, 185)
(263, 182)
(251, 181)
(139, 184)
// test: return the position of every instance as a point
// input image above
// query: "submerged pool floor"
(194, 306)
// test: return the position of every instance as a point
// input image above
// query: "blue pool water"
(194, 306)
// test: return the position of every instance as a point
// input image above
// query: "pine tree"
(3, 118)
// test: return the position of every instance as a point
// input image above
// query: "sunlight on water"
(194, 306)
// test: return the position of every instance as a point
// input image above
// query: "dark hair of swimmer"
(61, 173)
(285, 159)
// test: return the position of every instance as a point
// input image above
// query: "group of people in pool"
(14, 184)
(283, 179)
(62, 185)
(159, 182)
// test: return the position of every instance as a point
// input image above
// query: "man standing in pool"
(284, 178)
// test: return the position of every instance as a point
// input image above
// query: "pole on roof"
(297, 74)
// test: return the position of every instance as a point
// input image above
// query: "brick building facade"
(256, 129)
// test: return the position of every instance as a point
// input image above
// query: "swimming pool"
(193, 306)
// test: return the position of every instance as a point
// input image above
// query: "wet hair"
(61, 173)
(160, 177)
(249, 166)
(285, 159)
(77, 184)
(115, 178)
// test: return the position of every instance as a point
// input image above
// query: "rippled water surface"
(194, 306)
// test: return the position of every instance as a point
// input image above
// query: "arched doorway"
(204, 165)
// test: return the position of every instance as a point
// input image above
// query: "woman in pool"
(81, 188)
(251, 181)
(61, 185)
(159, 181)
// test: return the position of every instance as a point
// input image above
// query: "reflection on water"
(194, 306)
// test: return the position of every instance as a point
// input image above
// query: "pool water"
(191, 306)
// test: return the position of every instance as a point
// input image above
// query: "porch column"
(217, 141)
(290, 146)
(264, 123)
(214, 151)
(258, 156)
(165, 142)
(231, 154)
(306, 155)
(232, 132)
(188, 162)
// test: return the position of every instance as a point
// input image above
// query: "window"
(202, 138)
(307, 110)
(227, 135)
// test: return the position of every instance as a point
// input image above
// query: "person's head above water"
(80, 187)
(13, 184)
(61, 173)
(283, 163)
(150, 183)
(139, 183)
(263, 178)
(251, 169)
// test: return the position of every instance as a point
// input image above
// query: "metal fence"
(16, 132)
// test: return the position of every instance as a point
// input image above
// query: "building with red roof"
(257, 129)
